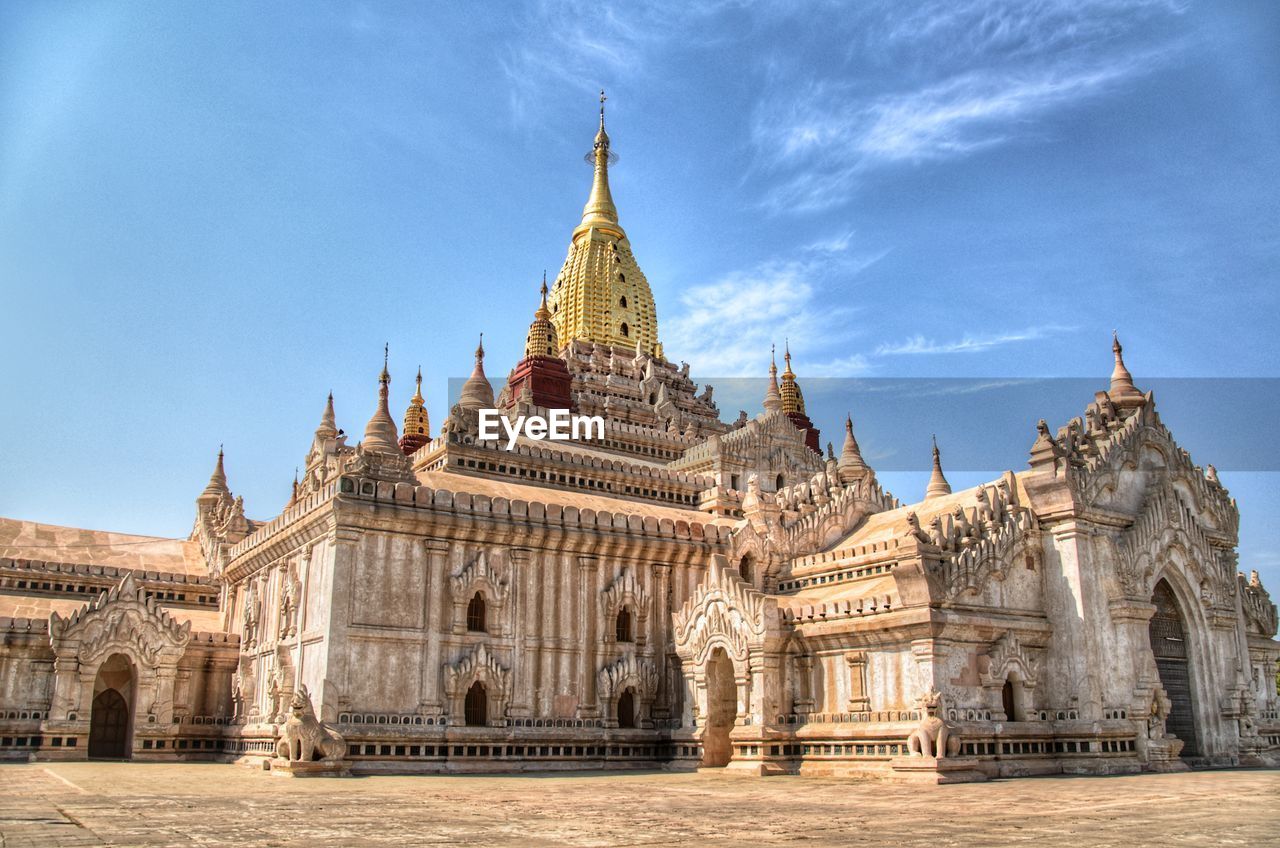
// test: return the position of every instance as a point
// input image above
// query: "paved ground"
(196, 804)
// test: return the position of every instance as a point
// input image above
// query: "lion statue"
(303, 738)
(933, 737)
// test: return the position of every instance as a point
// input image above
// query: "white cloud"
(726, 328)
(966, 76)
(968, 343)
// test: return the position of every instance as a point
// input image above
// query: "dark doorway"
(1007, 701)
(109, 726)
(477, 706)
(627, 709)
(722, 710)
(1169, 645)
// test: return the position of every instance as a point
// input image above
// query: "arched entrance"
(476, 707)
(110, 730)
(1169, 646)
(722, 710)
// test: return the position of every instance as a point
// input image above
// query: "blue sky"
(213, 214)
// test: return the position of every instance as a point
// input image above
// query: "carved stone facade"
(679, 592)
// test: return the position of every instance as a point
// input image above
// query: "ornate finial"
(787, 347)
(418, 379)
(938, 485)
(480, 349)
(1124, 394)
(602, 100)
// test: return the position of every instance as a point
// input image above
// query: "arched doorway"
(722, 710)
(627, 708)
(110, 731)
(1169, 646)
(476, 708)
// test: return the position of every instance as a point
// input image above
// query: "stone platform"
(216, 804)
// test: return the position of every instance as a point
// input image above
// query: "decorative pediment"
(484, 574)
(1166, 524)
(725, 611)
(1007, 656)
(478, 664)
(628, 671)
(627, 591)
(122, 620)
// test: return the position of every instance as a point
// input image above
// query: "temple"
(679, 592)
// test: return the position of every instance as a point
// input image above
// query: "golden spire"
(600, 211)
(1123, 392)
(600, 294)
(416, 421)
(772, 400)
(792, 397)
(541, 340)
(476, 392)
(938, 485)
(380, 433)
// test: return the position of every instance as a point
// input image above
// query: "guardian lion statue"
(933, 737)
(303, 738)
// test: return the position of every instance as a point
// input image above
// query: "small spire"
(217, 480)
(851, 465)
(328, 428)
(476, 391)
(1123, 393)
(792, 397)
(772, 399)
(602, 100)
(417, 424)
(293, 496)
(380, 433)
(938, 485)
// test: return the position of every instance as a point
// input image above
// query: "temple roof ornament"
(772, 398)
(417, 424)
(851, 466)
(541, 340)
(792, 397)
(328, 428)
(380, 434)
(1123, 392)
(476, 392)
(217, 482)
(600, 294)
(938, 485)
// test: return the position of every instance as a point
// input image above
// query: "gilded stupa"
(600, 294)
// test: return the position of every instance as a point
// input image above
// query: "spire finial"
(1124, 394)
(217, 480)
(938, 485)
(772, 397)
(602, 100)
(852, 467)
(480, 349)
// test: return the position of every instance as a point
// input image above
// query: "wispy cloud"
(726, 327)
(974, 76)
(968, 343)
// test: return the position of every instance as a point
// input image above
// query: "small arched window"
(475, 614)
(477, 706)
(622, 301)
(622, 628)
(627, 708)
(421, 430)
(744, 567)
(626, 331)
(780, 483)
